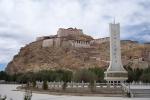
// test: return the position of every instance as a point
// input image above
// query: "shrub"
(34, 83)
(99, 72)
(84, 75)
(145, 77)
(28, 95)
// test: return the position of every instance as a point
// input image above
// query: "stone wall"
(66, 44)
(53, 42)
(48, 43)
(56, 85)
(100, 40)
(60, 42)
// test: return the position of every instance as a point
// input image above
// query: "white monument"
(115, 72)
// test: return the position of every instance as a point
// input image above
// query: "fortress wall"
(48, 43)
(57, 42)
(54, 42)
(101, 40)
(66, 44)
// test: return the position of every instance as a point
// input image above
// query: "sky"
(21, 21)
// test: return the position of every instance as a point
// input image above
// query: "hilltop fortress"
(71, 37)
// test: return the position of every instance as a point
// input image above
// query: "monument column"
(115, 71)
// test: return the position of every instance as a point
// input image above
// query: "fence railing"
(76, 85)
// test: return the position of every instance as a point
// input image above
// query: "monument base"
(116, 76)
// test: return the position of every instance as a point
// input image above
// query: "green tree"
(145, 77)
(4, 76)
(23, 78)
(85, 75)
(138, 72)
(99, 72)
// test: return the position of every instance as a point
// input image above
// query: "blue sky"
(21, 21)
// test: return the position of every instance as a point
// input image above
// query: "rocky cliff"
(34, 58)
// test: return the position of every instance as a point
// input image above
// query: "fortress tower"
(115, 72)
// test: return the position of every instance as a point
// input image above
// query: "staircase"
(141, 92)
(137, 90)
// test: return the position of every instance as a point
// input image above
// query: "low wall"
(137, 89)
(73, 87)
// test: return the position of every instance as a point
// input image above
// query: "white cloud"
(22, 21)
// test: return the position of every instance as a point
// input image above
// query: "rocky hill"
(33, 57)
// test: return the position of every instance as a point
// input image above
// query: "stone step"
(141, 95)
(141, 92)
